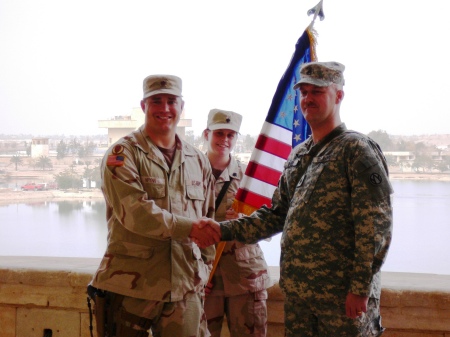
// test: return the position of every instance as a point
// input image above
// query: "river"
(77, 229)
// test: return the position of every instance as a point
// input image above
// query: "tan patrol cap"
(162, 84)
(222, 119)
(322, 74)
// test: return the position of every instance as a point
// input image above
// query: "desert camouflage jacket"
(242, 267)
(150, 213)
(336, 217)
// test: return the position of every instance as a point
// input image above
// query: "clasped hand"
(205, 232)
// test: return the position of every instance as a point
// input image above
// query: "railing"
(47, 295)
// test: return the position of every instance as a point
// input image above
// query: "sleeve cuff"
(225, 230)
(182, 228)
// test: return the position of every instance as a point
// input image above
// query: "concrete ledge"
(38, 293)
(55, 271)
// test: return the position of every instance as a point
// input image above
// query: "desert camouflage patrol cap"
(321, 74)
(162, 84)
(222, 119)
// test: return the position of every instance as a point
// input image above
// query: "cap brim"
(223, 126)
(163, 91)
(313, 81)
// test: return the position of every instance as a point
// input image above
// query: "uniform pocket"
(248, 252)
(200, 269)
(154, 186)
(156, 191)
(307, 183)
(134, 250)
(252, 267)
(194, 193)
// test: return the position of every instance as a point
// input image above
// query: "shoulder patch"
(115, 160)
(118, 149)
(375, 179)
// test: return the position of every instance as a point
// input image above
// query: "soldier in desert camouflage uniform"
(155, 185)
(238, 288)
(333, 206)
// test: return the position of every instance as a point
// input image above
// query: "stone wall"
(39, 295)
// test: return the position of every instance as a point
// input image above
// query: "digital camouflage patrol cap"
(162, 84)
(321, 74)
(222, 119)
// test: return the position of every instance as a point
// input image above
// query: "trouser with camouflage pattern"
(246, 314)
(307, 319)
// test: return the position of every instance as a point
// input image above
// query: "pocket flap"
(132, 249)
(248, 252)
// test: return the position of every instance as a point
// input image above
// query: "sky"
(66, 64)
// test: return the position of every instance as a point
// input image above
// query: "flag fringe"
(312, 35)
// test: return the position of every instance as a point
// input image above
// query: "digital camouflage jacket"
(335, 216)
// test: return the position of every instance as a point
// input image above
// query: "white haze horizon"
(67, 64)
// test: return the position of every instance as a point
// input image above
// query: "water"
(421, 232)
(64, 228)
(78, 229)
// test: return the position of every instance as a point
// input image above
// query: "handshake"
(205, 232)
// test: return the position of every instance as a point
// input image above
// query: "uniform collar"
(232, 171)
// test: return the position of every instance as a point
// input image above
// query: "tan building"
(39, 147)
(120, 126)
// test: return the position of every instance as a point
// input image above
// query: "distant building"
(120, 126)
(401, 156)
(39, 147)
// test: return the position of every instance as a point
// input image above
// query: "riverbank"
(8, 196)
(419, 176)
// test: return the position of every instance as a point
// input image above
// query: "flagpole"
(239, 206)
(219, 250)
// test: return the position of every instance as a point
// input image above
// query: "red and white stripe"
(265, 167)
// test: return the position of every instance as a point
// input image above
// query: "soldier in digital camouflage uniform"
(238, 288)
(333, 207)
(155, 185)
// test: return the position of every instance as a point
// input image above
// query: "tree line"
(69, 178)
(426, 157)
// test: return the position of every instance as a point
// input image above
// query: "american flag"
(283, 129)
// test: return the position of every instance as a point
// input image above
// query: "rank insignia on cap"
(165, 84)
(162, 84)
(115, 160)
(223, 119)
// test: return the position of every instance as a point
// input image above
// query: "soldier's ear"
(205, 134)
(339, 96)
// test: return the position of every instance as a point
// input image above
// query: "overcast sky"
(64, 64)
